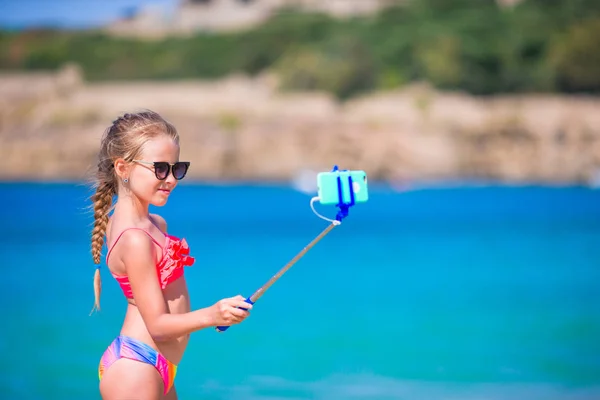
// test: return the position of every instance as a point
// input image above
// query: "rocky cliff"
(240, 128)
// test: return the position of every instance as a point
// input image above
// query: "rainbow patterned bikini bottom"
(133, 349)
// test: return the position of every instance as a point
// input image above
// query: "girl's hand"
(229, 311)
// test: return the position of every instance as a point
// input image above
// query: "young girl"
(139, 162)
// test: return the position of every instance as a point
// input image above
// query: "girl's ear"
(121, 168)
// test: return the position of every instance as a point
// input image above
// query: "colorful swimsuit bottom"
(175, 256)
(133, 349)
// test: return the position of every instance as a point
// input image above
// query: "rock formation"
(241, 128)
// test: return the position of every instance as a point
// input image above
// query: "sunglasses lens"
(161, 169)
(180, 169)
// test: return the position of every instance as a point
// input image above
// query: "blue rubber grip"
(224, 328)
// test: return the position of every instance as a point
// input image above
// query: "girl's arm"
(137, 255)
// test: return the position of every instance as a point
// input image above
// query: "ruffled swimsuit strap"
(121, 234)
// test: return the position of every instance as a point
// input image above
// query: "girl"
(139, 162)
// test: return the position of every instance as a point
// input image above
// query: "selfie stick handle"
(257, 295)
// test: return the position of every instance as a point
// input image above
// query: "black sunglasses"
(163, 168)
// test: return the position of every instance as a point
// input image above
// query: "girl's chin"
(159, 202)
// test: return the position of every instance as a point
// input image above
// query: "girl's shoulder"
(159, 221)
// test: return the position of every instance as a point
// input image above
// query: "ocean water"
(442, 293)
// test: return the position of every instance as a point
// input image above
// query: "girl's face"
(143, 180)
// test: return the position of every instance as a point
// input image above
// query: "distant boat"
(305, 181)
(594, 180)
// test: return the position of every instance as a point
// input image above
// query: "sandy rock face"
(238, 128)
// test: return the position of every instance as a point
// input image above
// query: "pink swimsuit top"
(175, 256)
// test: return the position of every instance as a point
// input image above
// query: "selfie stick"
(342, 213)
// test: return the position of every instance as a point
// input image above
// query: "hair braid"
(102, 200)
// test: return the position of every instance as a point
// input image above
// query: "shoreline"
(376, 185)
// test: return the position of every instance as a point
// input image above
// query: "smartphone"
(327, 184)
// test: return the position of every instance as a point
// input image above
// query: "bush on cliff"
(471, 45)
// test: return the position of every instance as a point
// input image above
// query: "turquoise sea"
(487, 292)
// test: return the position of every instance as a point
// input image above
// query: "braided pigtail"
(102, 201)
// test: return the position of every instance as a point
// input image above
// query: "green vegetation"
(471, 45)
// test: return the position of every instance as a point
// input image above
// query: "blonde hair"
(124, 139)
